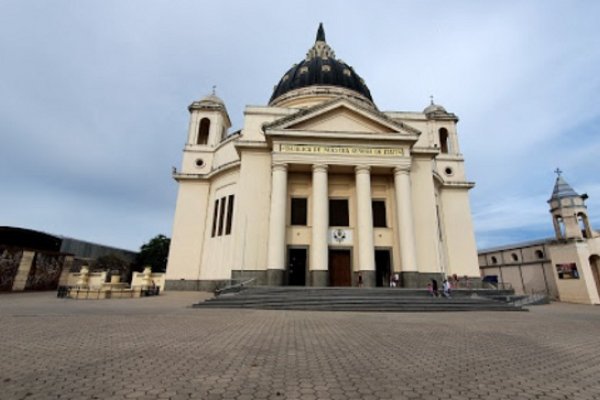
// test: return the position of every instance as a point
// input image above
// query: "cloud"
(93, 101)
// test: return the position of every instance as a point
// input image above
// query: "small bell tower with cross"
(569, 212)
(209, 121)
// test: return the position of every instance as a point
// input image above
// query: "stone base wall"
(420, 279)
(368, 278)
(275, 277)
(319, 278)
(259, 276)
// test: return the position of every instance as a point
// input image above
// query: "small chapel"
(565, 267)
(321, 188)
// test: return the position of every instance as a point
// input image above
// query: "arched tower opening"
(443, 136)
(203, 130)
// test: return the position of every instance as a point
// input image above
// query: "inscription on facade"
(333, 149)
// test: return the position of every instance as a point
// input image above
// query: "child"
(430, 290)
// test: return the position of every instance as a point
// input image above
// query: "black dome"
(320, 67)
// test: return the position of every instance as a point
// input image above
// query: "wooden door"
(340, 273)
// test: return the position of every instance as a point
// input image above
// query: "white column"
(404, 215)
(276, 254)
(320, 218)
(366, 250)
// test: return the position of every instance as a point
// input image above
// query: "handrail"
(233, 288)
(497, 286)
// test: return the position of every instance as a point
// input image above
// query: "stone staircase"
(361, 299)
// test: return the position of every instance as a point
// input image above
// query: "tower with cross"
(569, 212)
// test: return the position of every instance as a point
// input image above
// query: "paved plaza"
(159, 348)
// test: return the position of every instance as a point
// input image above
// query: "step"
(361, 299)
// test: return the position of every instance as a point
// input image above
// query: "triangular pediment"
(342, 116)
(342, 119)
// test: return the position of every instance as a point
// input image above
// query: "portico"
(358, 236)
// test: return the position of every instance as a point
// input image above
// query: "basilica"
(321, 188)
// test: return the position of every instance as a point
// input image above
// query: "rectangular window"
(221, 215)
(229, 214)
(567, 271)
(338, 212)
(215, 214)
(299, 211)
(379, 217)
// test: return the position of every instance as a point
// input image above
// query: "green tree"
(154, 254)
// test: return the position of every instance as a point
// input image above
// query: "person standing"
(434, 288)
(446, 288)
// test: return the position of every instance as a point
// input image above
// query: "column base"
(414, 279)
(275, 277)
(368, 278)
(319, 278)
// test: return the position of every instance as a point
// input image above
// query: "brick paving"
(159, 348)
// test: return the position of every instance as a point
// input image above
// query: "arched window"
(203, 131)
(539, 254)
(514, 257)
(584, 225)
(494, 260)
(559, 225)
(443, 140)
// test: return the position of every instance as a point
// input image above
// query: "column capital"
(280, 167)
(402, 170)
(320, 167)
(362, 169)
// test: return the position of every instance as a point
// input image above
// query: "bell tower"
(208, 127)
(569, 212)
(209, 121)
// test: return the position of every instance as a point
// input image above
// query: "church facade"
(321, 188)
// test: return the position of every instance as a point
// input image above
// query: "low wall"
(96, 279)
(23, 269)
(137, 279)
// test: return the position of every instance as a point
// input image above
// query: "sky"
(94, 96)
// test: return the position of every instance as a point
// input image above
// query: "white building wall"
(252, 211)
(424, 214)
(459, 236)
(187, 241)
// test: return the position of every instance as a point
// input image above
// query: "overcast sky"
(94, 96)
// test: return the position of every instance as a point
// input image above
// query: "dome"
(212, 99)
(433, 108)
(321, 68)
